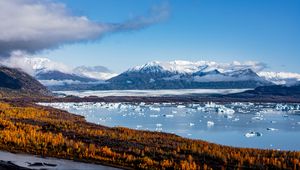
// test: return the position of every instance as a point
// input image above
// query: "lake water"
(269, 126)
(177, 92)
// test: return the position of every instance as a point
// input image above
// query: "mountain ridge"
(155, 75)
(14, 83)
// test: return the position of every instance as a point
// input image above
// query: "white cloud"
(33, 65)
(35, 25)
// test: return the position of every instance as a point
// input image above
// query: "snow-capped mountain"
(185, 74)
(154, 75)
(52, 73)
(281, 78)
(188, 67)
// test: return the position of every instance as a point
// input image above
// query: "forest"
(39, 130)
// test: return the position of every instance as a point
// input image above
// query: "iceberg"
(253, 134)
(224, 110)
(192, 124)
(168, 116)
(272, 129)
(159, 125)
(157, 109)
(180, 106)
(210, 123)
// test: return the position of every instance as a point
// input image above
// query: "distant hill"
(60, 76)
(14, 83)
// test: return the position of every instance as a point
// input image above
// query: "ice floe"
(272, 129)
(210, 123)
(192, 124)
(253, 134)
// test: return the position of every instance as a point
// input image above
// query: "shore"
(15, 161)
(163, 99)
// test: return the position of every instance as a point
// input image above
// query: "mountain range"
(52, 73)
(157, 75)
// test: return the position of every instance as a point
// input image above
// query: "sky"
(133, 32)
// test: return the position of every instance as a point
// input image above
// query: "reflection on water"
(271, 126)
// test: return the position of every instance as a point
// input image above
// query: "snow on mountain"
(237, 75)
(185, 74)
(205, 71)
(44, 65)
(280, 77)
(96, 72)
(51, 73)
(188, 67)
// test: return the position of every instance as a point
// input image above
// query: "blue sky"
(219, 30)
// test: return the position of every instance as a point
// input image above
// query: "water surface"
(269, 126)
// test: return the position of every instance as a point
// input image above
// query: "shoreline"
(168, 99)
(20, 161)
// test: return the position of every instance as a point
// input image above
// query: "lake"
(267, 126)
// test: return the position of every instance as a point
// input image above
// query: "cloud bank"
(34, 25)
(31, 65)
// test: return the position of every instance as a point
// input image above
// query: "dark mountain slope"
(270, 91)
(14, 83)
(57, 75)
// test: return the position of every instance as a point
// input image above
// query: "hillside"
(16, 83)
(275, 90)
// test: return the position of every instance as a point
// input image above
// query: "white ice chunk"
(168, 116)
(157, 109)
(253, 134)
(159, 125)
(138, 126)
(210, 123)
(181, 106)
(272, 129)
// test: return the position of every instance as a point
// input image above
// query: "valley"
(49, 132)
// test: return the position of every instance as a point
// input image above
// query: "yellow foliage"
(52, 132)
